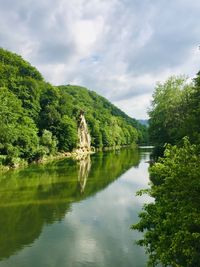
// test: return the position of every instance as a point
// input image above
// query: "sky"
(118, 48)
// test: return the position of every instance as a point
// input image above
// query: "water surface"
(74, 214)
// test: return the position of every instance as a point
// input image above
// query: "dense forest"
(39, 119)
(171, 224)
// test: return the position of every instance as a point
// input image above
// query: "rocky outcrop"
(83, 134)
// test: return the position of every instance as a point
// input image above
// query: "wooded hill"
(40, 119)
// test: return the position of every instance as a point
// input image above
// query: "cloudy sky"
(118, 48)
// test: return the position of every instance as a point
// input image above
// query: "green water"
(74, 214)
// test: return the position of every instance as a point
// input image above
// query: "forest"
(171, 223)
(39, 119)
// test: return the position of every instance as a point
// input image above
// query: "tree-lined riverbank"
(39, 119)
(171, 224)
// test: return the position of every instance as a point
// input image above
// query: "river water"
(74, 214)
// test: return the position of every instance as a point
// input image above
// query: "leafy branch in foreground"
(171, 224)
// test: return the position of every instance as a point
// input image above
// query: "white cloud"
(137, 105)
(86, 33)
(118, 48)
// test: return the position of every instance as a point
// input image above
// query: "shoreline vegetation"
(171, 223)
(77, 155)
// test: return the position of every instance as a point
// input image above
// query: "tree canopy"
(175, 110)
(39, 119)
(171, 224)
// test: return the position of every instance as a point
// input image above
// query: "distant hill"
(40, 119)
(144, 122)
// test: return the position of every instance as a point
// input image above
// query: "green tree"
(18, 133)
(171, 224)
(192, 122)
(67, 134)
(169, 111)
(49, 141)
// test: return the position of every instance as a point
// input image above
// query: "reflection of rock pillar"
(85, 165)
(83, 133)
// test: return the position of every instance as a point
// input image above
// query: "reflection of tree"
(84, 169)
(20, 225)
(43, 194)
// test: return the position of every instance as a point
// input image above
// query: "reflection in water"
(38, 196)
(84, 169)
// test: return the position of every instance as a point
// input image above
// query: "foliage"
(18, 133)
(39, 119)
(193, 111)
(171, 224)
(169, 111)
(108, 125)
(175, 111)
(49, 141)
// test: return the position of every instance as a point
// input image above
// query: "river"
(74, 214)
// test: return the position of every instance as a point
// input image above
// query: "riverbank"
(76, 154)
(20, 163)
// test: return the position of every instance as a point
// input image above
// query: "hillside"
(144, 122)
(39, 119)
